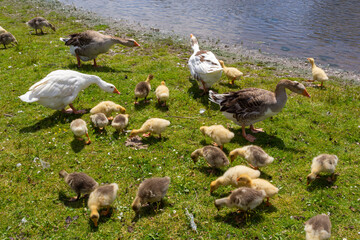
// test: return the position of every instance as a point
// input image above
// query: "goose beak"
(136, 44)
(116, 91)
(191, 35)
(305, 93)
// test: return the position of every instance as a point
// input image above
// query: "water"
(327, 30)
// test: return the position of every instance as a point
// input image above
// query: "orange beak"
(116, 91)
(237, 179)
(136, 44)
(305, 93)
(191, 35)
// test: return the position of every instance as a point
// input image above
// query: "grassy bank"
(34, 199)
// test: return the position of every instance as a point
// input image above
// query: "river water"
(327, 30)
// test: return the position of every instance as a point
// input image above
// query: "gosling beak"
(116, 91)
(237, 179)
(95, 222)
(123, 110)
(305, 93)
(136, 44)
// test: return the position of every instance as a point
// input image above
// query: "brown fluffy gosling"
(231, 175)
(78, 127)
(7, 38)
(101, 197)
(258, 184)
(38, 23)
(218, 134)
(152, 125)
(213, 155)
(231, 72)
(254, 155)
(242, 198)
(142, 89)
(150, 190)
(318, 228)
(162, 93)
(323, 163)
(79, 182)
(317, 73)
(107, 107)
(120, 122)
(99, 120)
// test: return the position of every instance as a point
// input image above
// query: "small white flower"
(130, 157)
(38, 172)
(20, 53)
(9, 66)
(20, 111)
(202, 111)
(18, 165)
(23, 220)
(108, 153)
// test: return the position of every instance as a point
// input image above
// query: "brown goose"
(79, 182)
(150, 190)
(38, 23)
(7, 38)
(318, 227)
(213, 156)
(243, 198)
(89, 44)
(251, 105)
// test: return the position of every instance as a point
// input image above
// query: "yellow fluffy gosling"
(2, 30)
(150, 190)
(318, 73)
(323, 163)
(101, 197)
(254, 155)
(318, 228)
(231, 175)
(258, 184)
(218, 134)
(142, 89)
(213, 156)
(78, 127)
(152, 125)
(107, 107)
(79, 183)
(162, 93)
(242, 198)
(231, 72)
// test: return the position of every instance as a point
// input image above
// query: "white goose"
(203, 65)
(60, 88)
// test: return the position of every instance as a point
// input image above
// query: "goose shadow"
(50, 121)
(151, 210)
(198, 94)
(238, 220)
(77, 145)
(88, 67)
(231, 86)
(321, 183)
(75, 204)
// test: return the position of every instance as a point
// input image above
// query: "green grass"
(328, 122)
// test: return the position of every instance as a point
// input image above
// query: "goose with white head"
(61, 87)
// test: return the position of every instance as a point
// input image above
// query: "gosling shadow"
(322, 182)
(102, 219)
(151, 210)
(238, 220)
(234, 86)
(198, 94)
(50, 121)
(75, 204)
(161, 108)
(142, 104)
(210, 171)
(264, 175)
(77, 145)
(153, 139)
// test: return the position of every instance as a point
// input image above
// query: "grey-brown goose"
(79, 183)
(38, 23)
(243, 198)
(318, 228)
(89, 44)
(7, 38)
(213, 156)
(143, 88)
(150, 190)
(254, 155)
(251, 105)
